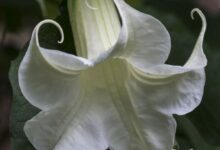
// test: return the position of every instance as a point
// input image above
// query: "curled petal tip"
(61, 33)
(199, 12)
(51, 22)
(202, 16)
(196, 10)
(193, 12)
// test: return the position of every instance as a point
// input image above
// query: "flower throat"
(95, 25)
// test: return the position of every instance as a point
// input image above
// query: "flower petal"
(197, 60)
(172, 89)
(164, 90)
(79, 126)
(147, 40)
(177, 94)
(97, 128)
(142, 39)
(66, 127)
(159, 98)
(105, 115)
(45, 76)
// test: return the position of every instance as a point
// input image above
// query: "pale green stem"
(95, 25)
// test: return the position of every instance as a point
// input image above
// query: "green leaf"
(21, 110)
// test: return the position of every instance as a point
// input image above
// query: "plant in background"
(117, 92)
(49, 8)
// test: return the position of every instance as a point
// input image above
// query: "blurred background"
(18, 18)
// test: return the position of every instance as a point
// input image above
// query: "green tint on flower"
(95, 25)
(118, 92)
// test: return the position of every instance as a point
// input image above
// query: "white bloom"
(118, 92)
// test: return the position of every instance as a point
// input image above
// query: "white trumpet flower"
(117, 92)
